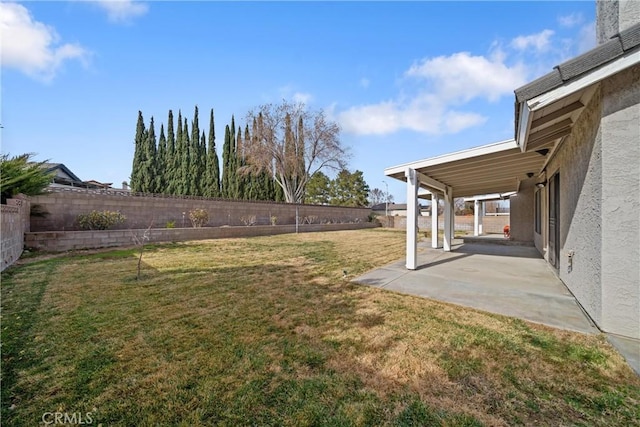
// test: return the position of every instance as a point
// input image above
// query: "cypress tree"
(202, 158)
(248, 178)
(161, 163)
(171, 164)
(138, 154)
(180, 148)
(195, 157)
(278, 192)
(233, 177)
(226, 154)
(186, 159)
(240, 185)
(148, 167)
(212, 172)
(202, 164)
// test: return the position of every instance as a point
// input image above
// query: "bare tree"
(140, 242)
(292, 143)
(376, 196)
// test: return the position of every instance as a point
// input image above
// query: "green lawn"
(269, 331)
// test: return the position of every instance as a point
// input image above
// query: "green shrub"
(96, 220)
(198, 217)
(170, 224)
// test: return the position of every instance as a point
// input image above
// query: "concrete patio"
(512, 280)
(504, 279)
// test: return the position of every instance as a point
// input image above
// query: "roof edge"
(456, 155)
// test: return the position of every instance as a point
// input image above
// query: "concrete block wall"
(65, 204)
(15, 221)
(490, 224)
(59, 241)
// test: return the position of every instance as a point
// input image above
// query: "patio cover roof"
(492, 168)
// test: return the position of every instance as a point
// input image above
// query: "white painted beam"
(430, 182)
(412, 218)
(496, 147)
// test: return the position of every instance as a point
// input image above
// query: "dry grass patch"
(268, 330)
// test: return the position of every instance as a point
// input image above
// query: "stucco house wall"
(540, 238)
(620, 133)
(578, 161)
(521, 212)
(600, 206)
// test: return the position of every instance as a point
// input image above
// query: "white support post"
(434, 220)
(477, 217)
(412, 218)
(448, 209)
(453, 217)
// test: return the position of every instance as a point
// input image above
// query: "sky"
(404, 80)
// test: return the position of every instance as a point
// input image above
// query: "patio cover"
(493, 168)
(545, 112)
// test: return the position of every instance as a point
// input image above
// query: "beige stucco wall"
(620, 131)
(539, 239)
(578, 161)
(521, 212)
(599, 167)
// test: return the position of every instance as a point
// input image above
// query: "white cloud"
(435, 93)
(445, 83)
(123, 11)
(31, 46)
(424, 114)
(571, 20)
(539, 42)
(365, 82)
(462, 77)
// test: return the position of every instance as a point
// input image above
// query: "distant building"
(65, 178)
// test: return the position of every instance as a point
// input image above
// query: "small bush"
(198, 217)
(274, 220)
(96, 220)
(170, 224)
